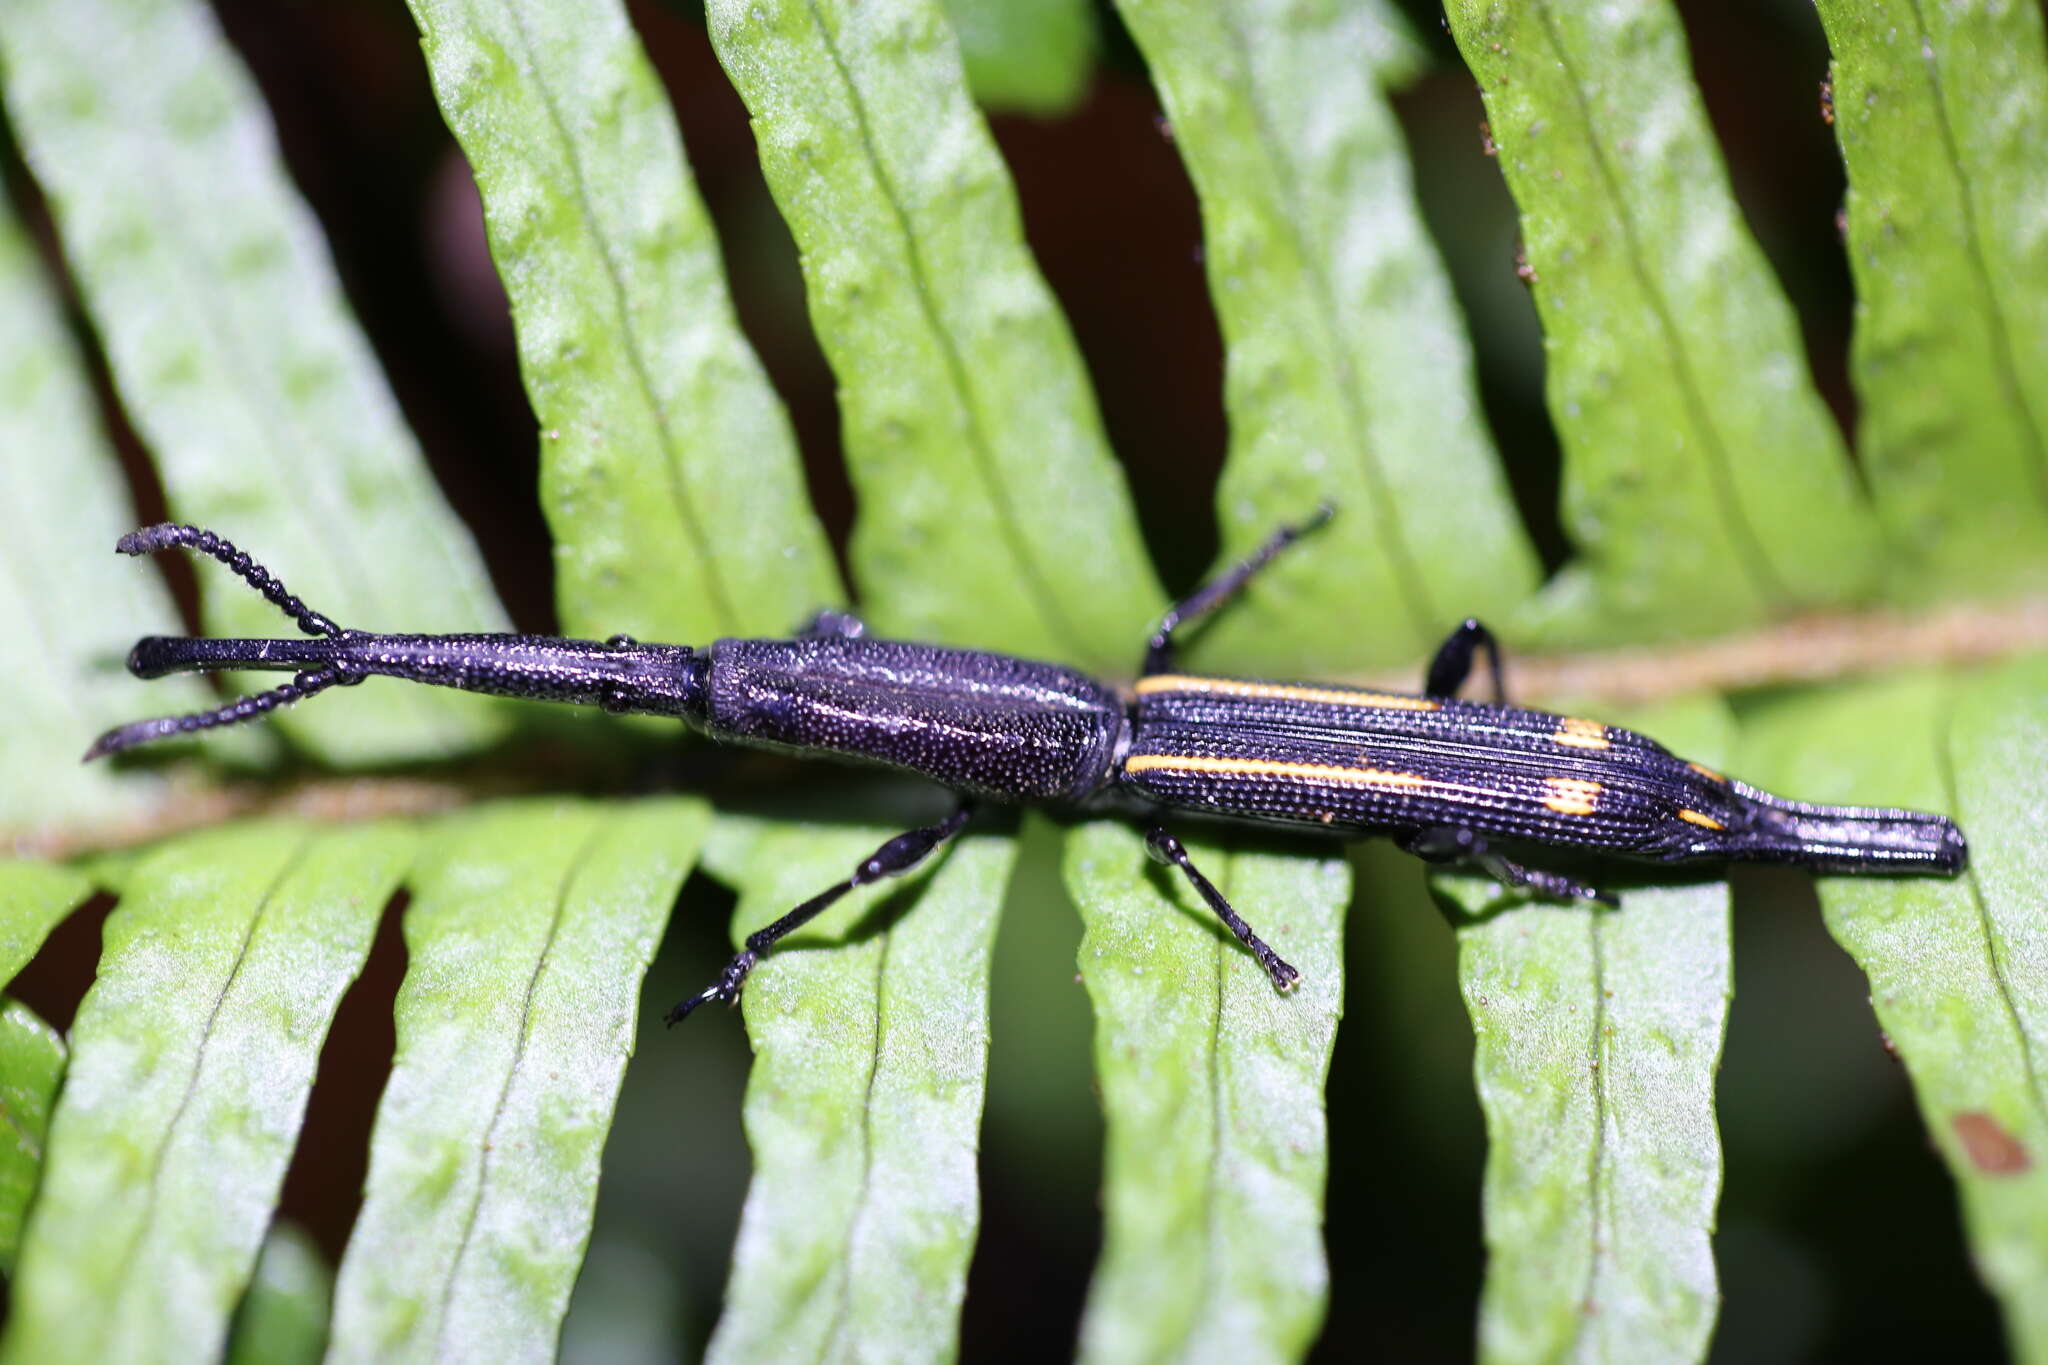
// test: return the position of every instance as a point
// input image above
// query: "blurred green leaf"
(32, 1057)
(33, 898)
(1958, 970)
(1025, 56)
(283, 1320)
(1942, 112)
(1598, 1040)
(1213, 1086)
(991, 510)
(1705, 483)
(234, 352)
(669, 471)
(191, 1060)
(530, 926)
(64, 631)
(864, 1105)
(1349, 376)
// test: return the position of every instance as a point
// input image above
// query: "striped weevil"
(1448, 780)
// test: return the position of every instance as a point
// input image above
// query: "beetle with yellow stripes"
(1447, 779)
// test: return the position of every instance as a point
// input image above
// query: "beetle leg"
(1165, 848)
(1453, 662)
(1219, 590)
(1452, 844)
(892, 859)
(831, 623)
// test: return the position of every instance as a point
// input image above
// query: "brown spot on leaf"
(1990, 1147)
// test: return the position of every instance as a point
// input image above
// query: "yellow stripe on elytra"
(1571, 795)
(1267, 691)
(1581, 734)
(1706, 772)
(1703, 821)
(1387, 778)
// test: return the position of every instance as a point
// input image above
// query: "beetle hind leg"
(1455, 844)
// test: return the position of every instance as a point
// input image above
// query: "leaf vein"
(1755, 559)
(984, 462)
(199, 1055)
(442, 1348)
(629, 335)
(2003, 363)
(862, 1200)
(1413, 584)
(1994, 959)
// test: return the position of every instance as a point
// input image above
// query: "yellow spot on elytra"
(1706, 772)
(1581, 734)
(1570, 795)
(1267, 691)
(1703, 821)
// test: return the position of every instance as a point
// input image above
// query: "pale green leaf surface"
(1696, 450)
(669, 472)
(1212, 1083)
(234, 352)
(192, 1057)
(32, 1056)
(69, 607)
(530, 927)
(870, 1035)
(1958, 969)
(1349, 375)
(283, 1320)
(33, 898)
(1598, 1036)
(1026, 56)
(1942, 112)
(971, 434)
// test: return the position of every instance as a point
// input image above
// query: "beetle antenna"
(167, 535)
(127, 736)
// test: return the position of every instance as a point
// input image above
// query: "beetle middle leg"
(1220, 589)
(892, 859)
(1164, 848)
(1456, 844)
(1453, 661)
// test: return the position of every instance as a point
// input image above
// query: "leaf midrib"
(1043, 600)
(1755, 560)
(627, 332)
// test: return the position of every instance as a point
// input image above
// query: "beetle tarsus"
(1453, 662)
(726, 989)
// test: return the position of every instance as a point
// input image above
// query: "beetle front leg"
(1453, 661)
(1164, 848)
(892, 859)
